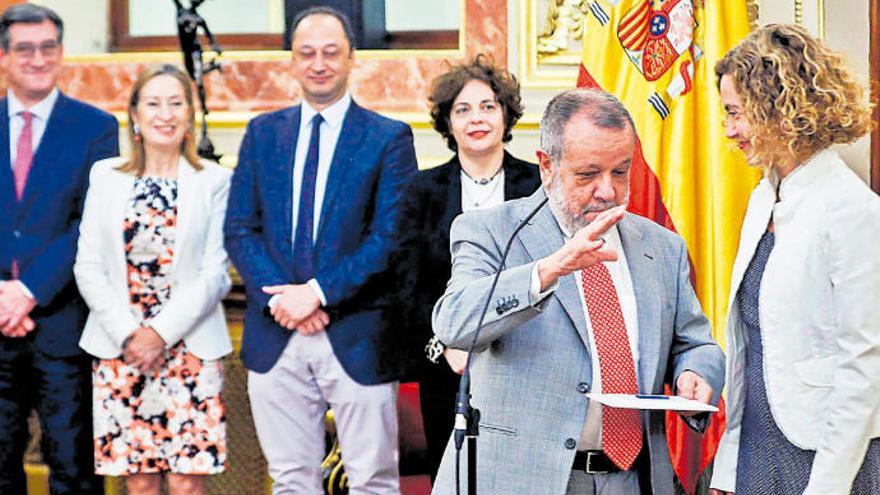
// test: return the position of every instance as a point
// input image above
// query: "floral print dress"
(170, 420)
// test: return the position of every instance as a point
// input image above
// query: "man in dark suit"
(312, 218)
(48, 142)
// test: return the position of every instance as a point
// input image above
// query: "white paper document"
(661, 402)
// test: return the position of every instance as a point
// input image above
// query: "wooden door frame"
(874, 69)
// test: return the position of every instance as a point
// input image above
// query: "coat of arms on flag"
(654, 38)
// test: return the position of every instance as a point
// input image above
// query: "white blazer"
(819, 303)
(199, 271)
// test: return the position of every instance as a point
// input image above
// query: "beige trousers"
(289, 403)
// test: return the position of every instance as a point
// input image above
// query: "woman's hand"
(457, 359)
(145, 350)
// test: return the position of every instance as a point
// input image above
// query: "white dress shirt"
(330, 129)
(333, 116)
(41, 112)
(591, 435)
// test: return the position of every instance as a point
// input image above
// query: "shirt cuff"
(434, 349)
(313, 283)
(535, 294)
(315, 287)
(26, 291)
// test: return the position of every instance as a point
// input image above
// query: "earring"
(137, 132)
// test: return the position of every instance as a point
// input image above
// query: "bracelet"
(434, 349)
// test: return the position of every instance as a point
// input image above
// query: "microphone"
(467, 418)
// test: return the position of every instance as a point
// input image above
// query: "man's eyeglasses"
(29, 50)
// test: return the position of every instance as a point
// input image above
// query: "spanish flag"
(658, 58)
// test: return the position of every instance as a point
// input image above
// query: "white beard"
(568, 214)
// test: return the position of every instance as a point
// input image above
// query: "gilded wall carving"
(551, 33)
(564, 23)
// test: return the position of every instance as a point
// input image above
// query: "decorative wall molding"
(549, 42)
(550, 39)
(808, 13)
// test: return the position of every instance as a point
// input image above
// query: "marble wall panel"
(393, 82)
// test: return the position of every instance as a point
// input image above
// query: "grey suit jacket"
(533, 359)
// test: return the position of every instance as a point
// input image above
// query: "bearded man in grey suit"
(590, 299)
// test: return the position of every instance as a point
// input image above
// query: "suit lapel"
(754, 225)
(511, 178)
(453, 195)
(7, 187)
(51, 145)
(516, 184)
(278, 180)
(541, 237)
(640, 259)
(352, 131)
(120, 194)
(186, 206)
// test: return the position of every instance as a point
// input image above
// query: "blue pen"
(641, 396)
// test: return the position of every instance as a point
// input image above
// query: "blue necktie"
(303, 244)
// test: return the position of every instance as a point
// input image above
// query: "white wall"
(409, 15)
(86, 24)
(87, 21)
(847, 30)
(159, 17)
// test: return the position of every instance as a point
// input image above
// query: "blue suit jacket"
(373, 160)
(41, 230)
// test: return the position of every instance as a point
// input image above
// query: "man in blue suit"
(312, 217)
(48, 142)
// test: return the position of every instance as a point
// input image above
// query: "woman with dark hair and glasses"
(803, 336)
(474, 106)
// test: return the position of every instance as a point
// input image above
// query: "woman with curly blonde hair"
(803, 371)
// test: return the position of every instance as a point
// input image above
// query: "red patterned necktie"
(24, 157)
(621, 428)
(24, 154)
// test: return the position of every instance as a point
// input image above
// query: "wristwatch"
(434, 349)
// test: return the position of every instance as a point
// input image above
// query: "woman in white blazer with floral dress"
(151, 267)
(803, 332)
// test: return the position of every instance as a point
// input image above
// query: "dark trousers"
(60, 390)
(438, 385)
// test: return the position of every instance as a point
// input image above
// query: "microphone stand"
(467, 418)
